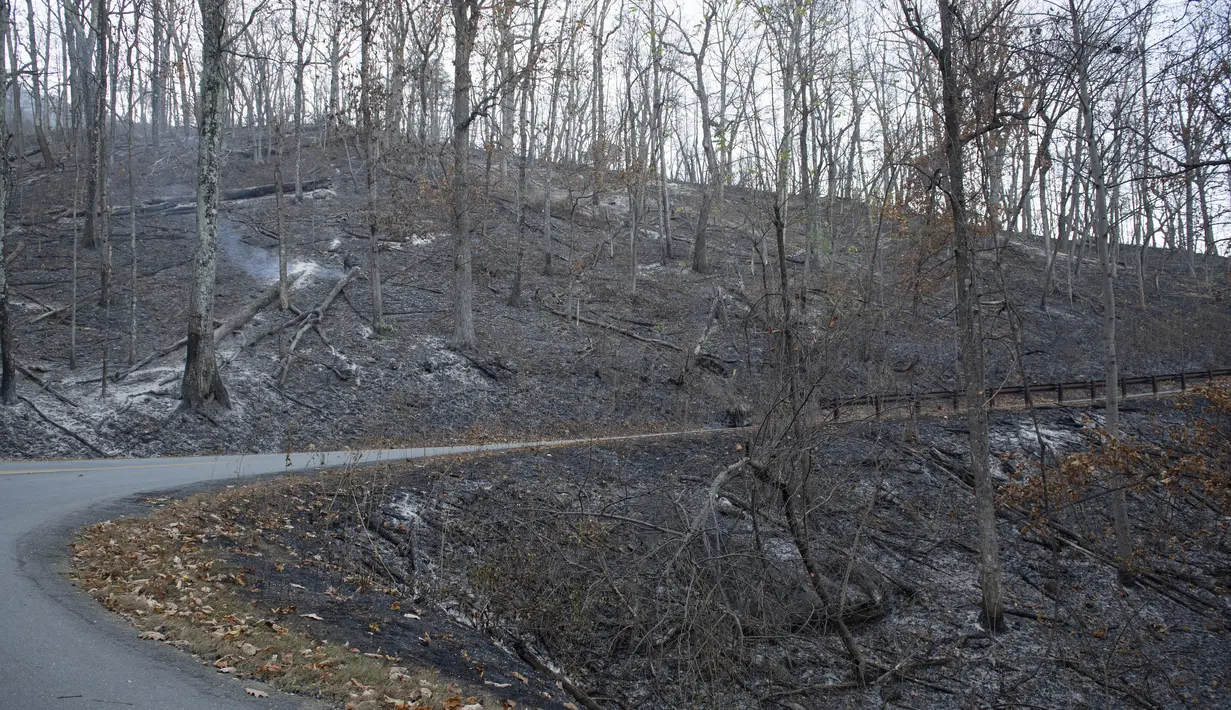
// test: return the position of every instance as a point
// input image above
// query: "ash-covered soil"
(879, 308)
(596, 561)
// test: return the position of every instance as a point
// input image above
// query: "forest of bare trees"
(1097, 128)
(794, 205)
(1092, 123)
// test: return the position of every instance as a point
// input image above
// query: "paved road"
(58, 648)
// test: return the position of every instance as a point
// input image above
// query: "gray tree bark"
(367, 29)
(466, 16)
(40, 131)
(969, 325)
(202, 385)
(8, 370)
(1103, 237)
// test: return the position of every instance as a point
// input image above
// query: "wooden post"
(1060, 392)
(1183, 381)
(1093, 390)
(1154, 385)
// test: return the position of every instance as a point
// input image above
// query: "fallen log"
(44, 385)
(313, 318)
(621, 331)
(168, 207)
(227, 327)
(13, 255)
(238, 320)
(248, 193)
(47, 314)
(81, 440)
(569, 686)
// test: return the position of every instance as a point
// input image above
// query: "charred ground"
(581, 558)
(878, 310)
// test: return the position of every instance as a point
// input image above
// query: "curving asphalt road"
(58, 648)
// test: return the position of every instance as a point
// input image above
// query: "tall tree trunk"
(202, 384)
(284, 295)
(548, 156)
(969, 325)
(132, 206)
(1103, 236)
(40, 123)
(300, 36)
(466, 15)
(367, 28)
(713, 176)
(333, 120)
(158, 79)
(507, 87)
(18, 118)
(100, 160)
(8, 370)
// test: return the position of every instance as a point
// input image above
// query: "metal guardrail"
(1070, 392)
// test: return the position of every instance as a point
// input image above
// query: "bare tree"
(8, 379)
(1086, 41)
(202, 385)
(300, 35)
(466, 17)
(36, 75)
(969, 326)
(367, 30)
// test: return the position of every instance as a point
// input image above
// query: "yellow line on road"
(106, 468)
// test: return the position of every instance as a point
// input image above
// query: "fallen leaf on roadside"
(521, 677)
(497, 685)
(312, 616)
(228, 669)
(256, 693)
(249, 649)
(153, 636)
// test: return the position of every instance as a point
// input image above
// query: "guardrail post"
(1060, 392)
(1209, 376)
(1093, 390)
(1124, 387)
(876, 404)
(1183, 381)
(955, 401)
(1154, 385)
